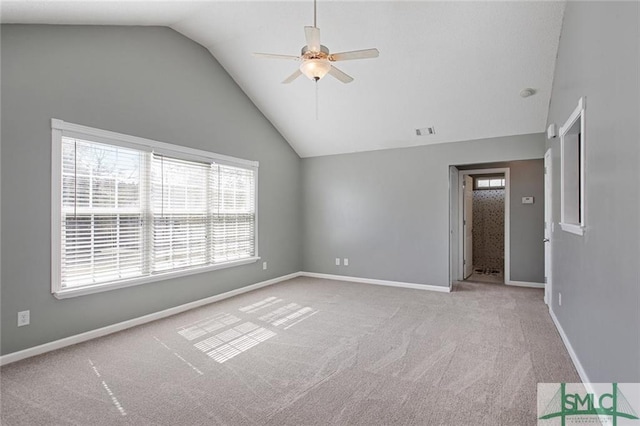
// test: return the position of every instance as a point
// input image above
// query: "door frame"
(453, 225)
(548, 227)
(467, 226)
(507, 218)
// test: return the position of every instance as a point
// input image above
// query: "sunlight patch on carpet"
(288, 315)
(228, 344)
(180, 357)
(200, 328)
(106, 387)
(269, 301)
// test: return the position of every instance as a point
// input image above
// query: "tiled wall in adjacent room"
(488, 228)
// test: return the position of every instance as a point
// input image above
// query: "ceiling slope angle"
(455, 66)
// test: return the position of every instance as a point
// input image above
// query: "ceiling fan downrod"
(315, 12)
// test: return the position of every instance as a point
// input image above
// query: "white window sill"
(573, 228)
(98, 288)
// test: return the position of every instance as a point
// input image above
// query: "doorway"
(484, 225)
(484, 242)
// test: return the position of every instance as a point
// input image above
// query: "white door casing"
(468, 226)
(453, 225)
(548, 226)
(507, 222)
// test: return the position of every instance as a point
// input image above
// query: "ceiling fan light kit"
(316, 58)
(315, 69)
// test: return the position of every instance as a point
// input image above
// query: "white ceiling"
(457, 66)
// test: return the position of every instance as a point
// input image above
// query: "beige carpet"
(307, 352)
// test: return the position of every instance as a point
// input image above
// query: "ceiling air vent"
(426, 131)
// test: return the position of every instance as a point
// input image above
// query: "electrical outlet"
(23, 318)
(337, 261)
(264, 266)
(559, 299)
(345, 261)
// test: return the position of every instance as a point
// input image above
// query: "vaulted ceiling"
(456, 66)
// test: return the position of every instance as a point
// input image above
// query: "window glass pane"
(179, 208)
(482, 183)
(234, 213)
(179, 241)
(129, 213)
(100, 248)
(101, 213)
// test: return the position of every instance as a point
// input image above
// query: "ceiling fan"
(316, 59)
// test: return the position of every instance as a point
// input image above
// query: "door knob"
(546, 240)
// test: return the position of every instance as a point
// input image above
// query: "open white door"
(468, 226)
(453, 225)
(548, 225)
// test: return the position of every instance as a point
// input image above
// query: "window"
(572, 171)
(495, 182)
(128, 210)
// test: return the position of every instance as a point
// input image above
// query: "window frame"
(488, 178)
(60, 128)
(575, 227)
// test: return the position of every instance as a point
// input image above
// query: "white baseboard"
(525, 284)
(376, 282)
(83, 337)
(572, 354)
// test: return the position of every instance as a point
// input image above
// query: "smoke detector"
(525, 93)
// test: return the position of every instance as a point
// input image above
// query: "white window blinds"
(180, 210)
(102, 237)
(233, 210)
(129, 213)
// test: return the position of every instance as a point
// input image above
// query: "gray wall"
(526, 248)
(388, 211)
(149, 82)
(597, 273)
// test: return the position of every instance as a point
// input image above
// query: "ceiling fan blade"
(336, 73)
(313, 38)
(355, 54)
(272, 56)
(292, 77)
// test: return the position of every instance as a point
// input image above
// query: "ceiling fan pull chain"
(316, 100)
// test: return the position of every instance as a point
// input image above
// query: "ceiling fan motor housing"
(309, 54)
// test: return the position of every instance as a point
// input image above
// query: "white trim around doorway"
(507, 219)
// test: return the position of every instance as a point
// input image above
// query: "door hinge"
(545, 280)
